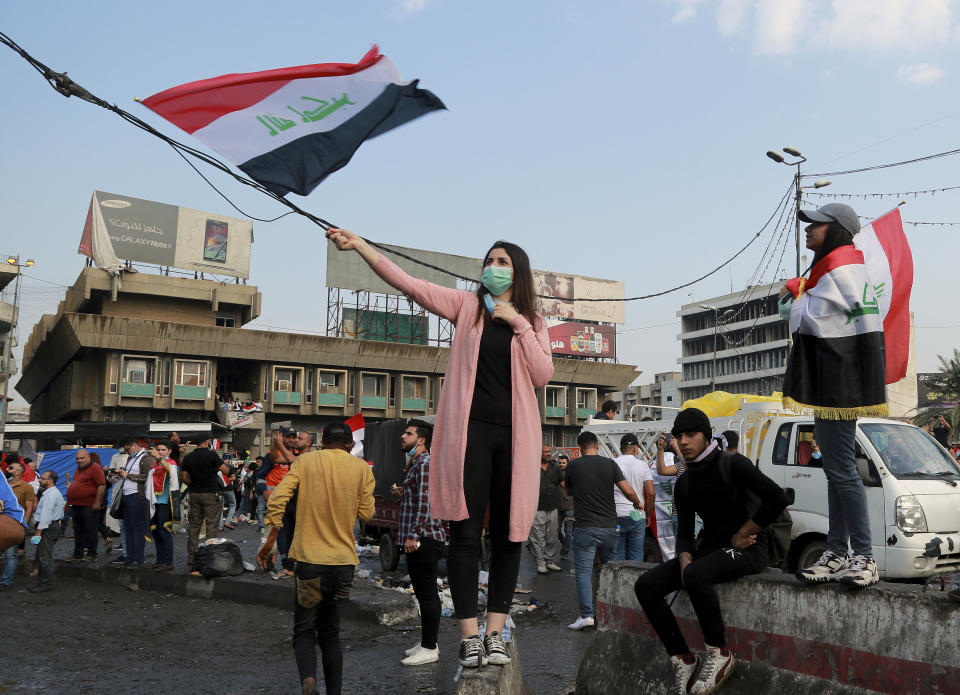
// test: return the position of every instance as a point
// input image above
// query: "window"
(191, 373)
(112, 359)
(553, 398)
(227, 319)
(165, 376)
(137, 371)
(308, 381)
(373, 385)
(781, 447)
(414, 388)
(284, 380)
(330, 382)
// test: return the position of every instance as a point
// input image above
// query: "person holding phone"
(487, 434)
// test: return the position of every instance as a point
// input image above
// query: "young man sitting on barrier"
(729, 546)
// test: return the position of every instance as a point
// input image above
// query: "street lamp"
(716, 326)
(780, 158)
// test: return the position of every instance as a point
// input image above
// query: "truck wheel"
(389, 553)
(811, 553)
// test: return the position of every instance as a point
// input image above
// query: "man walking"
(17, 502)
(590, 479)
(544, 537)
(48, 515)
(199, 471)
(422, 537)
(730, 546)
(335, 489)
(85, 497)
(564, 511)
(633, 527)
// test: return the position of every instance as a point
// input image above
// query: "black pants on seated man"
(706, 570)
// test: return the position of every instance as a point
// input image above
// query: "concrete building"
(9, 276)
(662, 394)
(740, 333)
(161, 349)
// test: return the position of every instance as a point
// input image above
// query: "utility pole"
(779, 158)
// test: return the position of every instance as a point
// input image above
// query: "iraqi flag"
(890, 267)
(357, 426)
(836, 369)
(288, 129)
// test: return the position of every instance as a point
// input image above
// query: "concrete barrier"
(788, 637)
(495, 680)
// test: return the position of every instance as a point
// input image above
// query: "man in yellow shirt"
(334, 490)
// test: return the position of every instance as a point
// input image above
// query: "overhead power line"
(938, 155)
(67, 87)
(888, 194)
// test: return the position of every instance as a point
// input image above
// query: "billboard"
(348, 271)
(928, 395)
(583, 339)
(384, 326)
(120, 228)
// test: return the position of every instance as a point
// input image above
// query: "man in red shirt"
(85, 497)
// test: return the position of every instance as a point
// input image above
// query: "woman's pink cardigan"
(531, 364)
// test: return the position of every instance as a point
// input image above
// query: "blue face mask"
(497, 280)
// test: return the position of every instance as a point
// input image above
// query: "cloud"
(782, 27)
(414, 6)
(922, 73)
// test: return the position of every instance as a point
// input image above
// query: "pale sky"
(619, 139)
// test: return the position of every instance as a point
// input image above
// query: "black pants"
(320, 624)
(487, 476)
(48, 539)
(710, 568)
(86, 522)
(422, 565)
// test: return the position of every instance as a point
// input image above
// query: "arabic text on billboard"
(384, 326)
(144, 231)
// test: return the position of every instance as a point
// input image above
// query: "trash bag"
(219, 560)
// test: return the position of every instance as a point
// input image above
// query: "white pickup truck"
(912, 484)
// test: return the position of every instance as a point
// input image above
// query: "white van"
(912, 484)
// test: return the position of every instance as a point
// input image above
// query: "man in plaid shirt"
(422, 537)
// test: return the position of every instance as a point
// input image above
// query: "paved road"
(78, 634)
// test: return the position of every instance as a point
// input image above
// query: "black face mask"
(8, 475)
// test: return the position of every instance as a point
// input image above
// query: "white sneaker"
(717, 667)
(581, 623)
(414, 649)
(862, 572)
(422, 656)
(542, 569)
(684, 672)
(829, 568)
(554, 567)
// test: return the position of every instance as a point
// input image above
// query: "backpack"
(778, 532)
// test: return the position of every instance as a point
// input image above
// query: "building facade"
(736, 343)
(9, 275)
(165, 349)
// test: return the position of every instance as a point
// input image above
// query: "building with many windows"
(736, 343)
(172, 349)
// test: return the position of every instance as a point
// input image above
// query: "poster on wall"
(583, 339)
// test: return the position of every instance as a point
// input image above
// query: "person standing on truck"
(422, 538)
(730, 546)
(941, 431)
(836, 371)
(607, 411)
(335, 489)
(487, 429)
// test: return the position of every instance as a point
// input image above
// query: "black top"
(591, 480)
(202, 466)
(549, 492)
(942, 434)
(720, 504)
(492, 399)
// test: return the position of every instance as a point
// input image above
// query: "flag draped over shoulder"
(889, 264)
(288, 129)
(836, 368)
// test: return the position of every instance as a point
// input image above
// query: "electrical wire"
(67, 87)
(897, 194)
(915, 160)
